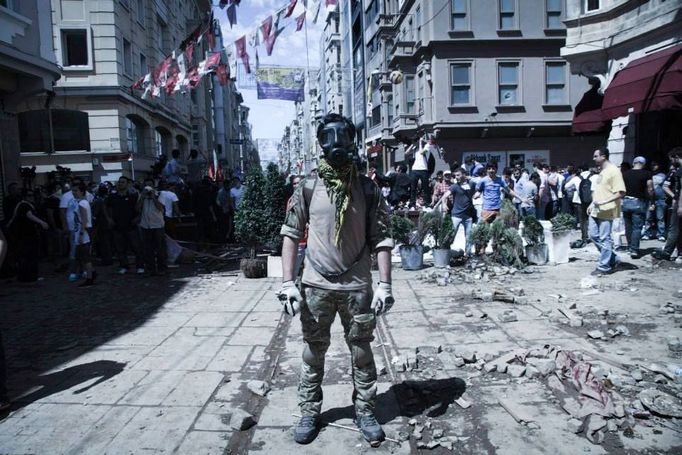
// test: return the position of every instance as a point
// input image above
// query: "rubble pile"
(587, 391)
(431, 434)
(473, 271)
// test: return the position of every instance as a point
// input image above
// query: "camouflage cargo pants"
(318, 312)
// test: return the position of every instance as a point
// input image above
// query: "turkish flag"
(240, 45)
(266, 28)
(223, 73)
(290, 8)
(300, 20)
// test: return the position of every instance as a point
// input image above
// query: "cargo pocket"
(362, 327)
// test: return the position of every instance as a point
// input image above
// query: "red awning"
(651, 83)
(588, 116)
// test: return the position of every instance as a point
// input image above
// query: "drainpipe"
(48, 106)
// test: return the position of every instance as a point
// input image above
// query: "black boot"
(370, 429)
(306, 429)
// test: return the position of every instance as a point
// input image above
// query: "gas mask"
(336, 140)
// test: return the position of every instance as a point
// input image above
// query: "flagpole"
(306, 158)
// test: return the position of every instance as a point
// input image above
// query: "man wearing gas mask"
(347, 219)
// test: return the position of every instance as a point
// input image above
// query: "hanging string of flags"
(179, 72)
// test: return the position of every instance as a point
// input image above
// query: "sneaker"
(634, 256)
(122, 271)
(306, 429)
(661, 238)
(5, 404)
(660, 254)
(140, 270)
(73, 277)
(370, 429)
(645, 237)
(600, 272)
(678, 260)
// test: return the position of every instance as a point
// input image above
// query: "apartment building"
(484, 78)
(331, 80)
(27, 69)
(632, 51)
(95, 124)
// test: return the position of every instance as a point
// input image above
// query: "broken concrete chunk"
(459, 362)
(675, 344)
(468, 314)
(574, 425)
(575, 322)
(489, 367)
(412, 422)
(660, 379)
(467, 355)
(258, 387)
(432, 445)
(595, 334)
(437, 433)
(544, 366)
(242, 420)
(462, 403)
(516, 371)
(637, 375)
(532, 372)
(661, 403)
(508, 316)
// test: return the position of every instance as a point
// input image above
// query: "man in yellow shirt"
(605, 207)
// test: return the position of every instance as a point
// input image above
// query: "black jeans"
(125, 240)
(155, 254)
(423, 178)
(3, 371)
(581, 213)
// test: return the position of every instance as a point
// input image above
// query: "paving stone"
(242, 420)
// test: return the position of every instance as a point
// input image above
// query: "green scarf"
(338, 183)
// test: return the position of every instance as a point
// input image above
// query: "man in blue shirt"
(491, 187)
(463, 211)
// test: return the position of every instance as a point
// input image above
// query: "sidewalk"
(107, 371)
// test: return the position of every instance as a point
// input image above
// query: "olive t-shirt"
(328, 266)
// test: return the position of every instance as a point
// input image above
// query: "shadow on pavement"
(408, 399)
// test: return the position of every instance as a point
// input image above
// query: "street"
(166, 365)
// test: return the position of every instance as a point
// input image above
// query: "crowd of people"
(77, 224)
(646, 206)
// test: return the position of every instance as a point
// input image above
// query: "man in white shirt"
(171, 209)
(420, 173)
(82, 222)
(152, 227)
(67, 212)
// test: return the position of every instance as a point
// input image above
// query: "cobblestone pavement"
(160, 365)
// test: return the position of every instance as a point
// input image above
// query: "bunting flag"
(172, 78)
(300, 20)
(232, 14)
(189, 53)
(330, 2)
(240, 46)
(193, 76)
(138, 84)
(207, 65)
(182, 73)
(270, 42)
(159, 73)
(266, 28)
(290, 8)
(223, 73)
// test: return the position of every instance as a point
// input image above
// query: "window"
(195, 134)
(143, 65)
(418, 17)
(460, 81)
(460, 19)
(125, 3)
(410, 95)
(161, 38)
(508, 83)
(74, 47)
(127, 57)
(376, 116)
(591, 5)
(131, 136)
(555, 83)
(140, 11)
(553, 14)
(71, 130)
(508, 15)
(391, 108)
(7, 4)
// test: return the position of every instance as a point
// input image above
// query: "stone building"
(632, 51)
(100, 128)
(485, 78)
(331, 79)
(27, 69)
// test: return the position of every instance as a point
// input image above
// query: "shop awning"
(588, 116)
(651, 83)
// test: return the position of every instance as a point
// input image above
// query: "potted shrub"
(250, 226)
(443, 234)
(509, 215)
(275, 210)
(480, 237)
(537, 251)
(411, 252)
(562, 225)
(507, 244)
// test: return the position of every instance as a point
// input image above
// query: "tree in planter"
(562, 223)
(275, 207)
(509, 215)
(446, 234)
(250, 221)
(401, 228)
(480, 236)
(533, 232)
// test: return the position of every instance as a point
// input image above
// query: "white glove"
(290, 298)
(383, 298)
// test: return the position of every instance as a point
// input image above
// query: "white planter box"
(561, 246)
(274, 266)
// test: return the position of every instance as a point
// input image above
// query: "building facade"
(483, 78)
(99, 128)
(331, 78)
(605, 37)
(27, 70)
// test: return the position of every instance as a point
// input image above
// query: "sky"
(269, 117)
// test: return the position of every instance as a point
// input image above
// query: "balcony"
(402, 50)
(333, 40)
(386, 23)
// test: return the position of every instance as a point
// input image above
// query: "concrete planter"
(254, 268)
(412, 257)
(561, 246)
(537, 254)
(441, 258)
(274, 266)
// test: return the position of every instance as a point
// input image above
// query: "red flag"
(193, 76)
(223, 73)
(266, 27)
(189, 52)
(159, 73)
(270, 42)
(212, 60)
(330, 2)
(172, 78)
(232, 14)
(138, 84)
(300, 20)
(240, 45)
(290, 8)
